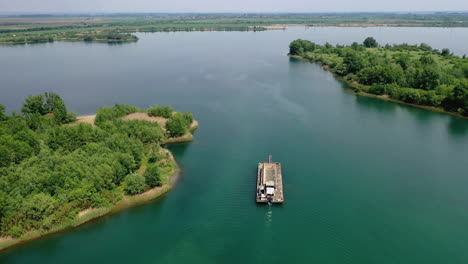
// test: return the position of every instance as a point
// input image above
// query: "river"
(365, 181)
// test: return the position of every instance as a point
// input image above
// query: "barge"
(269, 182)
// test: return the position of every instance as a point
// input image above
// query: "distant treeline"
(24, 29)
(416, 74)
(51, 168)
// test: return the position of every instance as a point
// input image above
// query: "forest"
(52, 168)
(415, 74)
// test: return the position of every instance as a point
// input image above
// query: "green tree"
(403, 59)
(135, 183)
(34, 105)
(428, 78)
(3, 115)
(299, 46)
(188, 118)
(154, 177)
(5, 156)
(354, 62)
(162, 111)
(427, 60)
(39, 206)
(445, 52)
(177, 125)
(458, 98)
(425, 47)
(370, 42)
(55, 105)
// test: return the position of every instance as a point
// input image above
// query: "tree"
(354, 61)
(55, 105)
(458, 99)
(177, 125)
(162, 111)
(3, 115)
(428, 78)
(34, 105)
(403, 59)
(39, 206)
(153, 176)
(299, 46)
(135, 183)
(5, 156)
(427, 60)
(445, 52)
(425, 47)
(370, 42)
(188, 118)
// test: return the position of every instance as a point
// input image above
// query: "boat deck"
(269, 174)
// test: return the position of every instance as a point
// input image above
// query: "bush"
(16, 231)
(299, 47)
(177, 125)
(188, 118)
(153, 176)
(162, 111)
(135, 184)
(370, 43)
(107, 113)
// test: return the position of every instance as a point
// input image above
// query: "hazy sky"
(44, 6)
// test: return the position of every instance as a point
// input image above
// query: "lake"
(365, 181)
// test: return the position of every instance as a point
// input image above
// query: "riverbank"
(127, 201)
(360, 89)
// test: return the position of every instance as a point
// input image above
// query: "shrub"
(107, 113)
(153, 176)
(16, 231)
(162, 111)
(370, 43)
(300, 46)
(177, 125)
(135, 183)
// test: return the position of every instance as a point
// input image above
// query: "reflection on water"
(458, 127)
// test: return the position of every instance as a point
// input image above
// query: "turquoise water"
(365, 181)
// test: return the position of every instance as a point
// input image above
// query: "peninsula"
(58, 171)
(412, 74)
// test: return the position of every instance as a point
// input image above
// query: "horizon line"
(224, 12)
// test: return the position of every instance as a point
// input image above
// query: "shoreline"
(357, 91)
(91, 214)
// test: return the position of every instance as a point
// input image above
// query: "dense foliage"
(162, 111)
(416, 74)
(50, 171)
(179, 124)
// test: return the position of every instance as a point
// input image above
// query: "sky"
(243, 6)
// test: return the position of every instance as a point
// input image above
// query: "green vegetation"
(179, 124)
(134, 183)
(415, 74)
(162, 111)
(51, 169)
(117, 28)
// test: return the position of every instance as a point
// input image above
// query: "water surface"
(365, 181)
